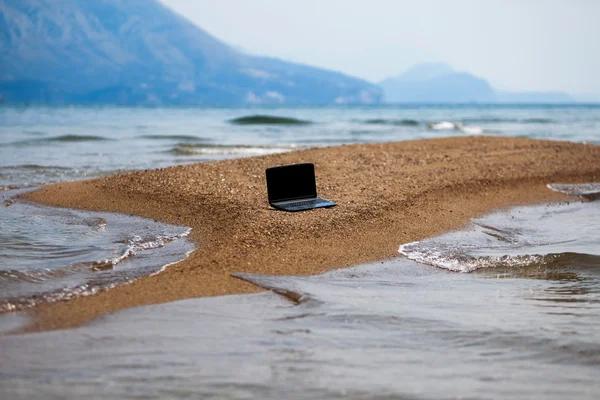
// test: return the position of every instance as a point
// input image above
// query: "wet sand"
(387, 194)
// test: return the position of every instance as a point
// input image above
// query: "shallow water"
(541, 235)
(395, 329)
(52, 254)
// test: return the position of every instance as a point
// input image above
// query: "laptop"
(294, 188)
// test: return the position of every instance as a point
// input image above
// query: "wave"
(35, 167)
(458, 261)
(76, 138)
(395, 122)
(531, 236)
(268, 120)
(105, 274)
(537, 121)
(61, 139)
(590, 191)
(27, 175)
(175, 137)
(508, 120)
(190, 149)
(134, 245)
(457, 126)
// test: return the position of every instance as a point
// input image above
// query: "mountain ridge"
(440, 83)
(141, 52)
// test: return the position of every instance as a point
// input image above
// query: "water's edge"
(24, 327)
(99, 251)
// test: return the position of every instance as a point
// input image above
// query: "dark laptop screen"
(291, 182)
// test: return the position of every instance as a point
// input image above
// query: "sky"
(538, 45)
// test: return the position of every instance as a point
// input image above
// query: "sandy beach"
(387, 194)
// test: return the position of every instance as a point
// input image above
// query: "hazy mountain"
(439, 83)
(436, 83)
(424, 72)
(138, 51)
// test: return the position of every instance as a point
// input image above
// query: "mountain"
(440, 83)
(436, 83)
(140, 52)
(424, 72)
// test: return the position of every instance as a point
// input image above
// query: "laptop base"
(302, 205)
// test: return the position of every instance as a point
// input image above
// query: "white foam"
(471, 130)
(458, 126)
(518, 237)
(443, 126)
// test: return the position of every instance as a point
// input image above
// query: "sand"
(387, 194)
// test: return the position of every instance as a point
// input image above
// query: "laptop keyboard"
(307, 203)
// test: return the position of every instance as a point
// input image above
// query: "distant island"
(440, 83)
(140, 52)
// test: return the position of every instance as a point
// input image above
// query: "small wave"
(138, 243)
(35, 167)
(444, 125)
(28, 175)
(61, 139)
(501, 120)
(268, 120)
(134, 245)
(528, 236)
(190, 138)
(395, 122)
(458, 126)
(189, 149)
(105, 274)
(537, 121)
(76, 138)
(459, 261)
(590, 191)
(456, 261)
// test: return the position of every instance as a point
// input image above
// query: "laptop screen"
(290, 182)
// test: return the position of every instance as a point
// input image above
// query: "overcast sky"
(516, 45)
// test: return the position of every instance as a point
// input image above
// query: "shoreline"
(387, 194)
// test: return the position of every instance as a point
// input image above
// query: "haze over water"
(523, 323)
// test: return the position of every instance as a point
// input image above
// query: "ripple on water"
(51, 254)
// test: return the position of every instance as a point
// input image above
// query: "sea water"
(49, 144)
(523, 322)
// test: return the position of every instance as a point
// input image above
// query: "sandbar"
(387, 194)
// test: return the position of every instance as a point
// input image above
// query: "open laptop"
(294, 188)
